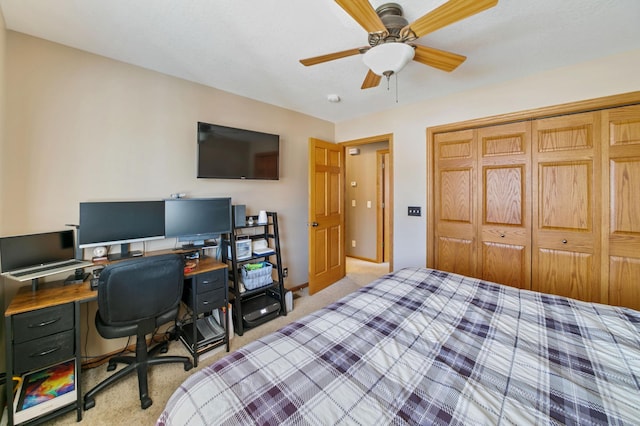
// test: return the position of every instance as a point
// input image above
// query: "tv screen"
(228, 153)
(120, 222)
(22, 251)
(197, 219)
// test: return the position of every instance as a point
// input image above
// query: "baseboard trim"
(298, 287)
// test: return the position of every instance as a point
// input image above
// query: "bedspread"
(422, 346)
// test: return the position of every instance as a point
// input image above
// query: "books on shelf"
(45, 390)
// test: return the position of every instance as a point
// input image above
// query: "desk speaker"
(239, 215)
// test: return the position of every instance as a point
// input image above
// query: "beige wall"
(2, 167)
(81, 127)
(602, 77)
(360, 219)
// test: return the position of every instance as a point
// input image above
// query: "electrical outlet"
(414, 211)
(285, 272)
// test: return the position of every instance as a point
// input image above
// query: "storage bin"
(255, 278)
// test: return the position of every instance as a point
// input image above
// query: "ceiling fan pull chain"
(396, 87)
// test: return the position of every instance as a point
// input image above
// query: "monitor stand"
(125, 253)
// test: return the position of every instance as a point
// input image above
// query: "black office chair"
(134, 298)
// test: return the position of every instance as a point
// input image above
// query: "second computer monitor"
(196, 220)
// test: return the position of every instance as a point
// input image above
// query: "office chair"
(134, 298)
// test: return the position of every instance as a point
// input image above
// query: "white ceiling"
(252, 48)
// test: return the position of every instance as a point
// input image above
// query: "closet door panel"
(622, 131)
(505, 204)
(455, 194)
(566, 174)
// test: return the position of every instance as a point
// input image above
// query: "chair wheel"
(145, 403)
(188, 365)
(112, 366)
(89, 403)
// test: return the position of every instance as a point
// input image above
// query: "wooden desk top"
(49, 294)
(56, 293)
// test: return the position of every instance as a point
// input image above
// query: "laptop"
(46, 269)
(26, 257)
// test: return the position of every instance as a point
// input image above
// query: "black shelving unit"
(272, 291)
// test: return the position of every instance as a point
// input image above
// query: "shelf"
(267, 231)
(186, 337)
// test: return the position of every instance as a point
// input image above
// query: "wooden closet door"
(621, 140)
(567, 198)
(455, 194)
(504, 194)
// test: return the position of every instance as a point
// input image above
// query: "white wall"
(607, 76)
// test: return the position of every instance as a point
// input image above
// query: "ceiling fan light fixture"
(388, 58)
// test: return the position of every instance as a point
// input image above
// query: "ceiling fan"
(391, 37)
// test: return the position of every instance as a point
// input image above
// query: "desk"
(34, 319)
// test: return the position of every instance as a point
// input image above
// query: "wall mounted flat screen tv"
(229, 153)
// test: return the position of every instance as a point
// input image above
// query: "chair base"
(138, 363)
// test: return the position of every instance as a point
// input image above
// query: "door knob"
(314, 224)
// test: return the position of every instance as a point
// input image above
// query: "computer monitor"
(196, 220)
(120, 222)
(23, 251)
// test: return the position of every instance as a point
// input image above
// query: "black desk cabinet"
(204, 293)
(38, 339)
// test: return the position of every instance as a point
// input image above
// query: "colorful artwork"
(47, 384)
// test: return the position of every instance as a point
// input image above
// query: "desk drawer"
(205, 302)
(42, 352)
(210, 281)
(43, 322)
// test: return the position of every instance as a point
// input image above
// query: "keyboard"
(50, 269)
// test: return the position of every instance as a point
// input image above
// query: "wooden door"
(567, 206)
(504, 194)
(455, 192)
(326, 214)
(621, 172)
(383, 218)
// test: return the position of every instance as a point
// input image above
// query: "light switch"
(368, 204)
(414, 211)
(353, 203)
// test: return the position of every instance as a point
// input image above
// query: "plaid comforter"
(421, 346)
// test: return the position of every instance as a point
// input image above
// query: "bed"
(421, 346)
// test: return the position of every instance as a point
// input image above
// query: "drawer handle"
(564, 241)
(205, 282)
(46, 352)
(205, 302)
(44, 323)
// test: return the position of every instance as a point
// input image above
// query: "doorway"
(327, 207)
(369, 200)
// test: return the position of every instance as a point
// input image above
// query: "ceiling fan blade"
(445, 61)
(363, 13)
(330, 57)
(450, 12)
(371, 80)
